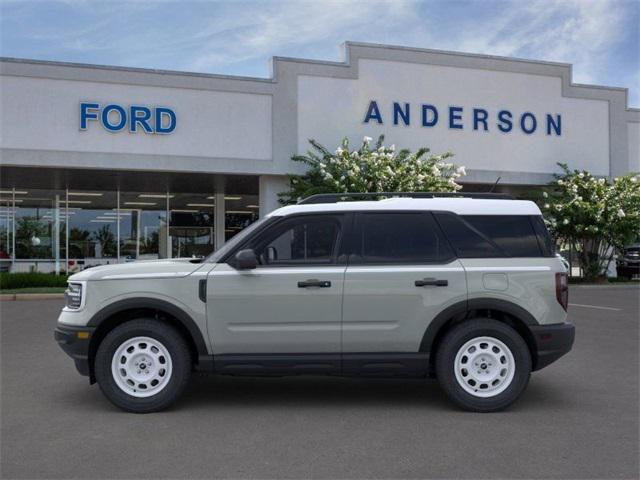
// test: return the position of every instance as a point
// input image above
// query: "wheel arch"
(502, 310)
(122, 311)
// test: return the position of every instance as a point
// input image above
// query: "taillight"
(562, 290)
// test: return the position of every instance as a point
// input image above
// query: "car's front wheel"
(483, 365)
(143, 365)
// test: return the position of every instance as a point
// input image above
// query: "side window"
(467, 242)
(544, 238)
(299, 241)
(401, 238)
(514, 234)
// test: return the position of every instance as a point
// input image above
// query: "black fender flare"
(156, 304)
(460, 310)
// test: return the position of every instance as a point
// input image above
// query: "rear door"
(401, 274)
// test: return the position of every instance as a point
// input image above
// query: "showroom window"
(143, 225)
(70, 230)
(91, 228)
(192, 224)
(240, 212)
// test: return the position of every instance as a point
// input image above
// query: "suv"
(467, 290)
(628, 264)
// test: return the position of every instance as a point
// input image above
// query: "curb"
(30, 296)
(607, 285)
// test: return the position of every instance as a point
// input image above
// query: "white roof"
(459, 205)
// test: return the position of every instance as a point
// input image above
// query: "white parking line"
(594, 306)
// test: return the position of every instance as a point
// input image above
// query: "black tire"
(456, 338)
(170, 338)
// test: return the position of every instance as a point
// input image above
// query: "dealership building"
(106, 164)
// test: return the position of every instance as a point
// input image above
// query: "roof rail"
(340, 197)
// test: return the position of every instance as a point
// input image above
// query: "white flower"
(546, 205)
(581, 175)
(634, 179)
(461, 170)
(565, 222)
(621, 213)
(339, 151)
(392, 148)
(545, 195)
(367, 139)
(560, 182)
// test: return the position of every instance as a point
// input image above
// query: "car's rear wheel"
(483, 365)
(143, 365)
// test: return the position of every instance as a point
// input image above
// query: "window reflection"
(240, 212)
(92, 228)
(192, 226)
(70, 230)
(6, 230)
(143, 225)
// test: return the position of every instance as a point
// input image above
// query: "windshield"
(235, 241)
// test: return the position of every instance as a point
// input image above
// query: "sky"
(601, 38)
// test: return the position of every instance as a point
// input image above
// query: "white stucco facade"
(253, 126)
(502, 118)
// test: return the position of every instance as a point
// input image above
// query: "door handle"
(314, 283)
(431, 282)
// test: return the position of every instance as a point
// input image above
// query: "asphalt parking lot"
(578, 418)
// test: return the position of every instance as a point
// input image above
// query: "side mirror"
(245, 260)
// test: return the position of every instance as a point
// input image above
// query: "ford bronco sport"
(464, 288)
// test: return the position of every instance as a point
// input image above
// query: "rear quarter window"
(490, 236)
(513, 234)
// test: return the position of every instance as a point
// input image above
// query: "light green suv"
(466, 288)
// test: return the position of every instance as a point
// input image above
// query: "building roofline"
(55, 63)
(346, 62)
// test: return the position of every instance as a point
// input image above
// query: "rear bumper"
(627, 270)
(552, 342)
(75, 343)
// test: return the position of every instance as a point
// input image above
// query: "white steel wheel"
(484, 367)
(141, 367)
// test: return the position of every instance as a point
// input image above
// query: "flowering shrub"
(594, 215)
(371, 169)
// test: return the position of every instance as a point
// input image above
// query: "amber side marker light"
(83, 335)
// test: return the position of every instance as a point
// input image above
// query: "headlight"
(73, 296)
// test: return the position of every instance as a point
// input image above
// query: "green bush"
(28, 280)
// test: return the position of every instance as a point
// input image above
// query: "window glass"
(191, 225)
(143, 225)
(544, 238)
(92, 219)
(401, 237)
(466, 242)
(300, 241)
(241, 210)
(6, 230)
(512, 233)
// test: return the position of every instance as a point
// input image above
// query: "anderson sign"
(461, 118)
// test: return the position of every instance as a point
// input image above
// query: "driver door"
(289, 308)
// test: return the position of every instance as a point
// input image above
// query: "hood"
(145, 269)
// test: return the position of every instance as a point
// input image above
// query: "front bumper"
(552, 342)
(75, 343)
